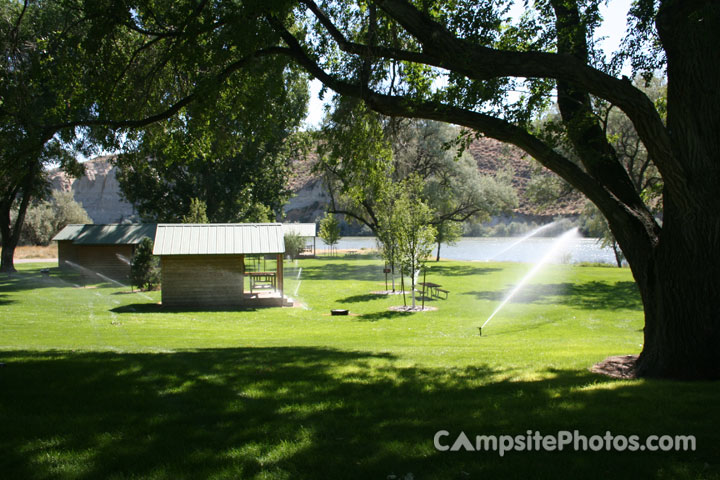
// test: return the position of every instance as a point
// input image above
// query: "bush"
(46, 218)
(294, 244)
(145, 268)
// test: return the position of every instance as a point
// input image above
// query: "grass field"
(98, 382)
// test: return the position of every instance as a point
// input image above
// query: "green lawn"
(99, 382)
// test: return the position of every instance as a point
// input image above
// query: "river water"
(490, 248)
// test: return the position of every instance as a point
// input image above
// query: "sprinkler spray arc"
(559, 243)
(521, 240)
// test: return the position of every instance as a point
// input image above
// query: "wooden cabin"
(208, 265)
(106, 250)
(308, 231)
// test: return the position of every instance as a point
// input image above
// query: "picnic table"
(262, 280)
(433, 288)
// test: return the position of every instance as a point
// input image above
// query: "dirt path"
(35, 260)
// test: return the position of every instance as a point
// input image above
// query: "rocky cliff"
(98, 191)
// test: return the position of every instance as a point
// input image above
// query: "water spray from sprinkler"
(559, 243)
(521, 239)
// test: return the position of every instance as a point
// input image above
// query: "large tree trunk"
(681, 289)
(681, 296)
(10, 231)
(8, 251)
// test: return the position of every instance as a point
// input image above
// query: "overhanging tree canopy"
(79, 73)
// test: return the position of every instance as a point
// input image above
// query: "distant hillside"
(492, 155)
(99, 192)
(310, 200)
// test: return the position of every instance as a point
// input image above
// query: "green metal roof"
(70, 232)
(117, 234)
(219, 239)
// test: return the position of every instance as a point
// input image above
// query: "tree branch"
(369, 51)
(635, 221)
(177, 106)
(442, 49)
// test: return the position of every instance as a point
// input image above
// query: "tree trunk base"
(619, 366)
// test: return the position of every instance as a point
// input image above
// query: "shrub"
(197, 212)
(294, 244)
(145, 268)
(46, 218)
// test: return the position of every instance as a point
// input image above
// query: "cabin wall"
(66, 252)
(202, 280)
(109, 260)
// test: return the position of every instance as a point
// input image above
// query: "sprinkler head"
(480, 331)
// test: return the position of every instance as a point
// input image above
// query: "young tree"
(386, 233)
(48, 217)
(329, 230)
(197, 212)
(406, 219)
(145, 267)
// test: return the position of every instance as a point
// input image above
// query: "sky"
(613, 28)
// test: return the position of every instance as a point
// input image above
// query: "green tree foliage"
(46, 218)
(361, 152)
(76, 75)
(355, 160)
(294, 244)
(38, 89)
(329, 230)
(145, 267)
(197, 212)
(231, 151)
(453, 187)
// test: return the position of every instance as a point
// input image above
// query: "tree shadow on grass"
(382, 315)
(33, 278)
(367, 297)
(159, 308)
(306, 412)
(589, 295)
(5, 301)
(343, 271)
(435, 270)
